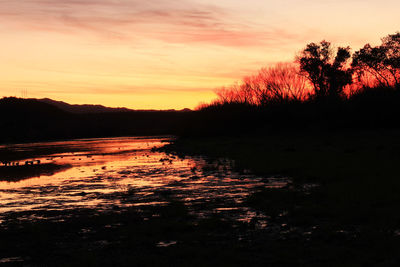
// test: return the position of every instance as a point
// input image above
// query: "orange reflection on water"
(126, 172)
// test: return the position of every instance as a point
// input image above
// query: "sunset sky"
(163, 54)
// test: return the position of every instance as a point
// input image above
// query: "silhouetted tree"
(281, 83)
(382, 62)
(327, 74)
(277, 84)
(236, 94)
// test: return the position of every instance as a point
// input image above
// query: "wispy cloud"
(182, 22)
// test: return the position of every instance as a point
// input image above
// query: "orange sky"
(167, 54)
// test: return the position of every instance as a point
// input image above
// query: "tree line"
(319, 73)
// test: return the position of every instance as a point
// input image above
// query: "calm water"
(117, 173)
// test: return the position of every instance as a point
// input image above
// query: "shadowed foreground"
(338, 209)
(341, 209)
(122, 204)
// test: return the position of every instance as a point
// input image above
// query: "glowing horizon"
(155, 55)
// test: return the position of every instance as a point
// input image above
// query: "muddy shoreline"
(211, 201)
(128, 196)
(16, 173)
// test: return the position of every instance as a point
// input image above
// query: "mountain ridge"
(93, 108)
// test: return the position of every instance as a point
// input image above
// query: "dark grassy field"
(342, 208)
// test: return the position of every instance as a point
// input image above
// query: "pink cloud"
(182, 22)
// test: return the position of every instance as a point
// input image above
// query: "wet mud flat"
(122, 203)
(129, 202)
(21, 172)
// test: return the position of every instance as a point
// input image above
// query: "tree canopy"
(327, 72)
(381, 62)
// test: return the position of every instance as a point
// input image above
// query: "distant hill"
(15, 108)
(92, 109)
(27, 120)
(82, 109)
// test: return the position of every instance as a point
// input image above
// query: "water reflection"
(117, 173)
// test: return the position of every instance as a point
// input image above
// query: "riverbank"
(304, 199)
(122, 203)
(342, 206)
